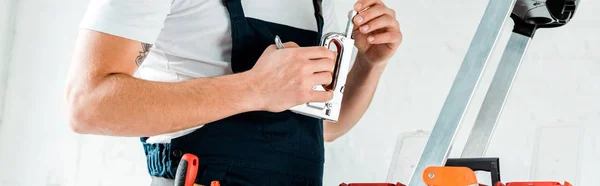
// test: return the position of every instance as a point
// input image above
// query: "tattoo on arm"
(142, 56)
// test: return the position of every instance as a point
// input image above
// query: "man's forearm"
(360, 87)
(121, 105)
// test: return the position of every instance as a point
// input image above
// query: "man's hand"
(377, 36)
(376, 31)
(285, 78)
(104, 98)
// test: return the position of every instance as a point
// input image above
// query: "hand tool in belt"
(187, 171)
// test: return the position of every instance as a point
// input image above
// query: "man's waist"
(281, 164)
(165, 157)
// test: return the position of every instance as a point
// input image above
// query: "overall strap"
(236, 11)
(319, 15)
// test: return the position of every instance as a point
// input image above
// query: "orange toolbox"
(461, 172)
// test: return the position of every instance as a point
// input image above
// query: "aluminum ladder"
(528, 16)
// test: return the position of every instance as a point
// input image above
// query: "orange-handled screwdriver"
(187, 170)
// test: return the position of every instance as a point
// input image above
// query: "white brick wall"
(558, 84)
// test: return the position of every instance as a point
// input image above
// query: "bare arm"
(378, 36)
(105, 99)
(360, 88)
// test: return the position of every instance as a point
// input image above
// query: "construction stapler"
(344, 45)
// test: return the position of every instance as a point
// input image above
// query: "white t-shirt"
(192, 38)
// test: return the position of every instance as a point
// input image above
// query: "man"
(203, 77)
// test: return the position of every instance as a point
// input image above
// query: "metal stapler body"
(344, 44)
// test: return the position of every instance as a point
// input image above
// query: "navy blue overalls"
(254, 148)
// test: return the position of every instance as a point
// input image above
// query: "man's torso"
(195, 38)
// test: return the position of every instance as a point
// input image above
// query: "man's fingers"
(317, 52)
(385, 21)
(286, 45)
(373, 12)
(321, 65)
(390, 37)
(322, 78)
(321, 96)
(361, 5)
(291, 45)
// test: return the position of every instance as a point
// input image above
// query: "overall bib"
(254, 148)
